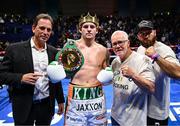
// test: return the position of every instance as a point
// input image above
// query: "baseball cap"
(145, 24)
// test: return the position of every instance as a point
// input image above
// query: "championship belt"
(70, 57)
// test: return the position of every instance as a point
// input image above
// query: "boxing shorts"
(85, 106)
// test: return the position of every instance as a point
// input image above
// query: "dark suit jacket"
(16, 62)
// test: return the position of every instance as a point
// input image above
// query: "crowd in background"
(15, 27)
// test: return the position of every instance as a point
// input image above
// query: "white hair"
(122, 35)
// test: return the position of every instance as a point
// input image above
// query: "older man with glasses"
(132, 82)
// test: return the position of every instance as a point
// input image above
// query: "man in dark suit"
(24, 69)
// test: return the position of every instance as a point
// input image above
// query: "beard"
(148, 43)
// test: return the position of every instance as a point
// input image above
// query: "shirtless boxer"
(86, 102)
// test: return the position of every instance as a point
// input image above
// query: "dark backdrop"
(102, 7)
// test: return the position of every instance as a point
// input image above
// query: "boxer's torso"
(94, 61)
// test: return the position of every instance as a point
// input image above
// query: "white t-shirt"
(130, 101)
(158, 103)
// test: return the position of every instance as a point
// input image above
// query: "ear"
(139, 37)
(33, 28)
(129, 43)
(97, 30)
(80, 30)
(154, 32)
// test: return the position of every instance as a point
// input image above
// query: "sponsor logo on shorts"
(87, 93)
(101, 116)
(89, 107)
(74, 119)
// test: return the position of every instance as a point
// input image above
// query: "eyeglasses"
(120, 43)
(42, 28)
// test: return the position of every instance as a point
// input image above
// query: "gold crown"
(88, 18)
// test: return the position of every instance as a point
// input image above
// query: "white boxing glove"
(55, 72)
(105, 76)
